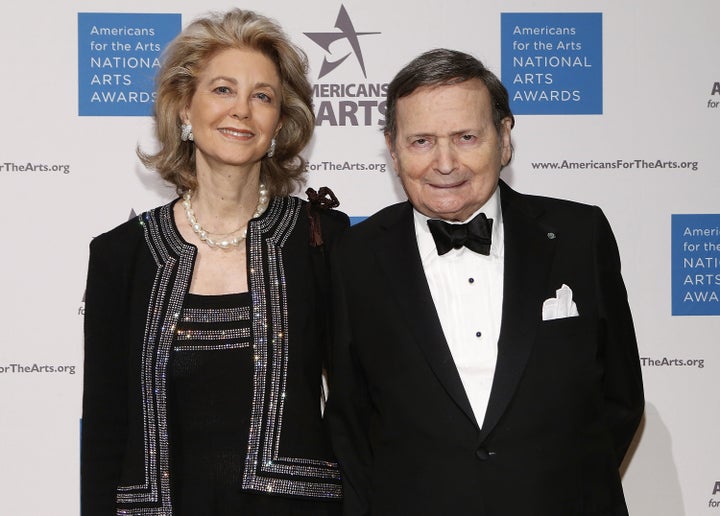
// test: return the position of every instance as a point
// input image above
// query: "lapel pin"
(551, 236)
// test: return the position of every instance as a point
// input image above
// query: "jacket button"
(482, 454)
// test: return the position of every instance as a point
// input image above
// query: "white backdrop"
(67, 174)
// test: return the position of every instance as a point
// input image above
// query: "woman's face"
(235, 110)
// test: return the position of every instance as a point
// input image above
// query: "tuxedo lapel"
(529, 248)
(399, 258)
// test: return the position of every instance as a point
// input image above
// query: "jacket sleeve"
(348, 410)
(104, 414)
(622, 379)
(331, 224)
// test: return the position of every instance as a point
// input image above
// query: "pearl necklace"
(204, 235)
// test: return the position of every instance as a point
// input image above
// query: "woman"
(204, 322)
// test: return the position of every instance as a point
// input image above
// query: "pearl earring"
(187, 133)
(271, 150)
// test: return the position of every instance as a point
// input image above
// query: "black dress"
(210, 400)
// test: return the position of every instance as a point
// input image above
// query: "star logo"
(347, 31)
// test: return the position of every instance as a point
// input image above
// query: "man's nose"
(445, 158)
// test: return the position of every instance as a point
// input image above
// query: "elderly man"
(485, 361)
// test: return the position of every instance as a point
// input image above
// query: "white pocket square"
(560, 306)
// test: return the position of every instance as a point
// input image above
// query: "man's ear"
(506, 149)
(390, 144)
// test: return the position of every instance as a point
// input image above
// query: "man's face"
(447, 151)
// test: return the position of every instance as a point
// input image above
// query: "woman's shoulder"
(326, 204)
(324, 211)
(334, 217)
(127, 234)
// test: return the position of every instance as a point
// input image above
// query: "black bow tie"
(475, 234)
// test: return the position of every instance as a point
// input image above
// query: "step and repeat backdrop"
(617, 103)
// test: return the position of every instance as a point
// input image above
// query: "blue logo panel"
(552, 63)
(118, 56)
(696, 264)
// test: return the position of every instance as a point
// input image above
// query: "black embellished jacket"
(139, 274)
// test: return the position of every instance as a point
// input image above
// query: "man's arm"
(622, 381)
(348, 409)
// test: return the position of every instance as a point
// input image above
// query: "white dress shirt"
(467, 289)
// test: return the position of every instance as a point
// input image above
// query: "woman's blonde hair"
(185, 58)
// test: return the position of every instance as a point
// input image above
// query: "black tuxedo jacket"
(567, 395)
